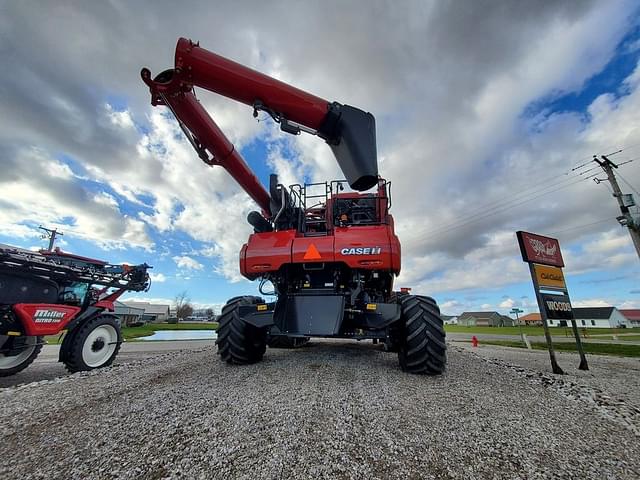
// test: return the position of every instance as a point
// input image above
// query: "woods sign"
(545, 264)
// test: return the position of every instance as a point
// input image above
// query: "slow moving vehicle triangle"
(312, 253)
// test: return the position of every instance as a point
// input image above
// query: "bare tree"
(183, 305)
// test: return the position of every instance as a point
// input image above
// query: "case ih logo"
(47, 316)
(361, 251)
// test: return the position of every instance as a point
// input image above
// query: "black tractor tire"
(93, 344)
(240, 343)
(10, 365)
(422, 347)
(282, 341)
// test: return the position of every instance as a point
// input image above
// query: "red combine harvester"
(330, 254)
(51, 292)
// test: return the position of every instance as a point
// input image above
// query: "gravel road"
(47, 367)
(329, 410)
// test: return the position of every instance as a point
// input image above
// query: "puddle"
(181, 335)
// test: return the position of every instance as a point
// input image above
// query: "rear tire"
(10, 365)
(95, 344)
(422, 347)
(240, 343)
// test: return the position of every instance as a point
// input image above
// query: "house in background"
(449, 319)
(129, 316)
(153, 313)
(533, 319)
(633, 316)
(595, 317)
(484, 319)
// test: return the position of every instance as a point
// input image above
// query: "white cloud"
(591, 302)
(188, 263)
(158, 277)
(508, 303)
(448, 91)
(60, 202)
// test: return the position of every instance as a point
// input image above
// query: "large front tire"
(94, 345)
(422, 347)
(240, 343)
(25, 348)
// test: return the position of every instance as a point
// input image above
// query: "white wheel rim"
(99, 346)
(11, 362)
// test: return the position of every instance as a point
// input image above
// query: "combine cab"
(51, 292)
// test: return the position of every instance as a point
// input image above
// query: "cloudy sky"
(484, 110)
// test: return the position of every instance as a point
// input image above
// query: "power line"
(500, 204)
(580, 226)
(628, 184)
(499, 209)
(496, 211)
(589, 170)
(628, 161)
(623, 149)
(535, 186)
(620, 150)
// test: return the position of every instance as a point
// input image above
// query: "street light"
(517, 311)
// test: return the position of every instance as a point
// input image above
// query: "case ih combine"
(48, 292)
(331, 254)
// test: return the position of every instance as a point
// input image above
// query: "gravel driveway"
(329, 410)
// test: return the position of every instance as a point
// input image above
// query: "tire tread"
(423, 349)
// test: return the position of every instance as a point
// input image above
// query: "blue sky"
(478, 130)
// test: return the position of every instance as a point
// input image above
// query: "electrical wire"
(539, 186)
(496, 211)
(628, 184)
(539, 189)
(581, 226)
(520, 198)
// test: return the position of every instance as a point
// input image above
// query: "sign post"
(517, 311)
(545, 264)
(552, 354)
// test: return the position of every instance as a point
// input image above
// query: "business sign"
(539, 249)
(557, 307)
(550, 277)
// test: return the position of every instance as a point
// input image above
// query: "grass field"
(131, 333)
(590, 348)
(534, 331)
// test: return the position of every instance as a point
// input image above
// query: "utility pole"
(624, 201)
(51, 235)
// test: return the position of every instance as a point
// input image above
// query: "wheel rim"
(99, 346)
(7, 363)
